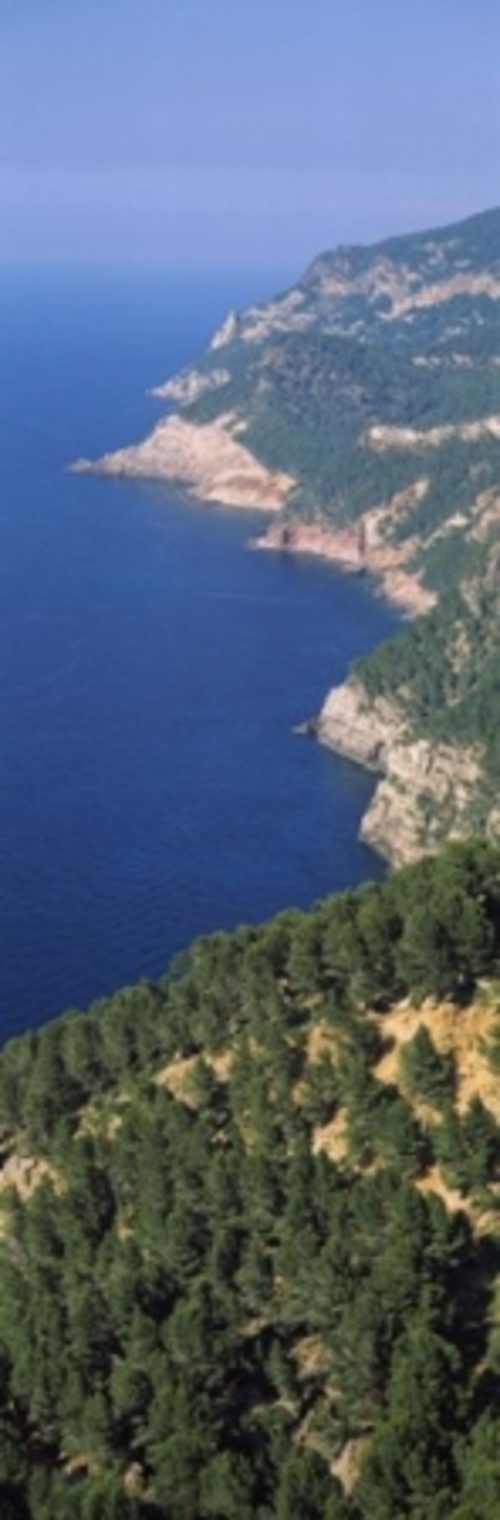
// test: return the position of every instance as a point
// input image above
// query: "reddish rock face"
(357, 549)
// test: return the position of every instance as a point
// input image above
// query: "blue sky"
(236, 132)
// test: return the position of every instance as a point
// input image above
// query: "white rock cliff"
(427, 790)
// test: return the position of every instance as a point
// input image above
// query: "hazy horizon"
(223, 137)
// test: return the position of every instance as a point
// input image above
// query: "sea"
(152, 667)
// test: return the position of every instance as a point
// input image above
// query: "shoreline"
(347, 549)
(210, 461)
(425, 788)
(211, 464)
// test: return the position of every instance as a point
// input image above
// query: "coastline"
(331, 373)
(426, 791)
(351, 550)
(208, 459)
(211, 463)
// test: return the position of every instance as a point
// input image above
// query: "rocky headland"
(208, 459)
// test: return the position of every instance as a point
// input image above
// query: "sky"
(241, 132)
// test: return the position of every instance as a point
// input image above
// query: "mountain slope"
(249, 1251)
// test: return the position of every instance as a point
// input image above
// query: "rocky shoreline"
(423, 788)
(353, 549)
(426, 791)
(208, 459)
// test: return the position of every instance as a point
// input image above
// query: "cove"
(153, 669)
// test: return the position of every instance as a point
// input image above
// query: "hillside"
(362, 407)
(249, 1244)
(370, 390)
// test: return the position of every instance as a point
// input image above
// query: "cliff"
(209, 460)
(359, 550)
(428, 790)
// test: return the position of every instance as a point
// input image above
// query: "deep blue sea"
(152, 668)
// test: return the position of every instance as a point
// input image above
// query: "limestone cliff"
(428, 791)
(209, 460)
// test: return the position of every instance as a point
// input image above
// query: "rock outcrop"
(428, 789)
(188, 387)
(359, 549)
(206, 458)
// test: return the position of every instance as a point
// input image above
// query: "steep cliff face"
(358, 728)
(428, 791)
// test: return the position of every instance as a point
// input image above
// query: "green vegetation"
(424, 1072)
(405, 334)
(308, 399)
(444, 672)
(222, 1286)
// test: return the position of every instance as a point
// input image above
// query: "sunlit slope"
(250, 1252)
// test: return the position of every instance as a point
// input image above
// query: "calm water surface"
(152, 668)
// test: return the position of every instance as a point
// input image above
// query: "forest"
(249, 1223)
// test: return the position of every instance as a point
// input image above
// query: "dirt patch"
(177, 1076)
(461, 1032)
(26, 1173)
(346, 1468)
(332, 1137)
(321, 1040)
